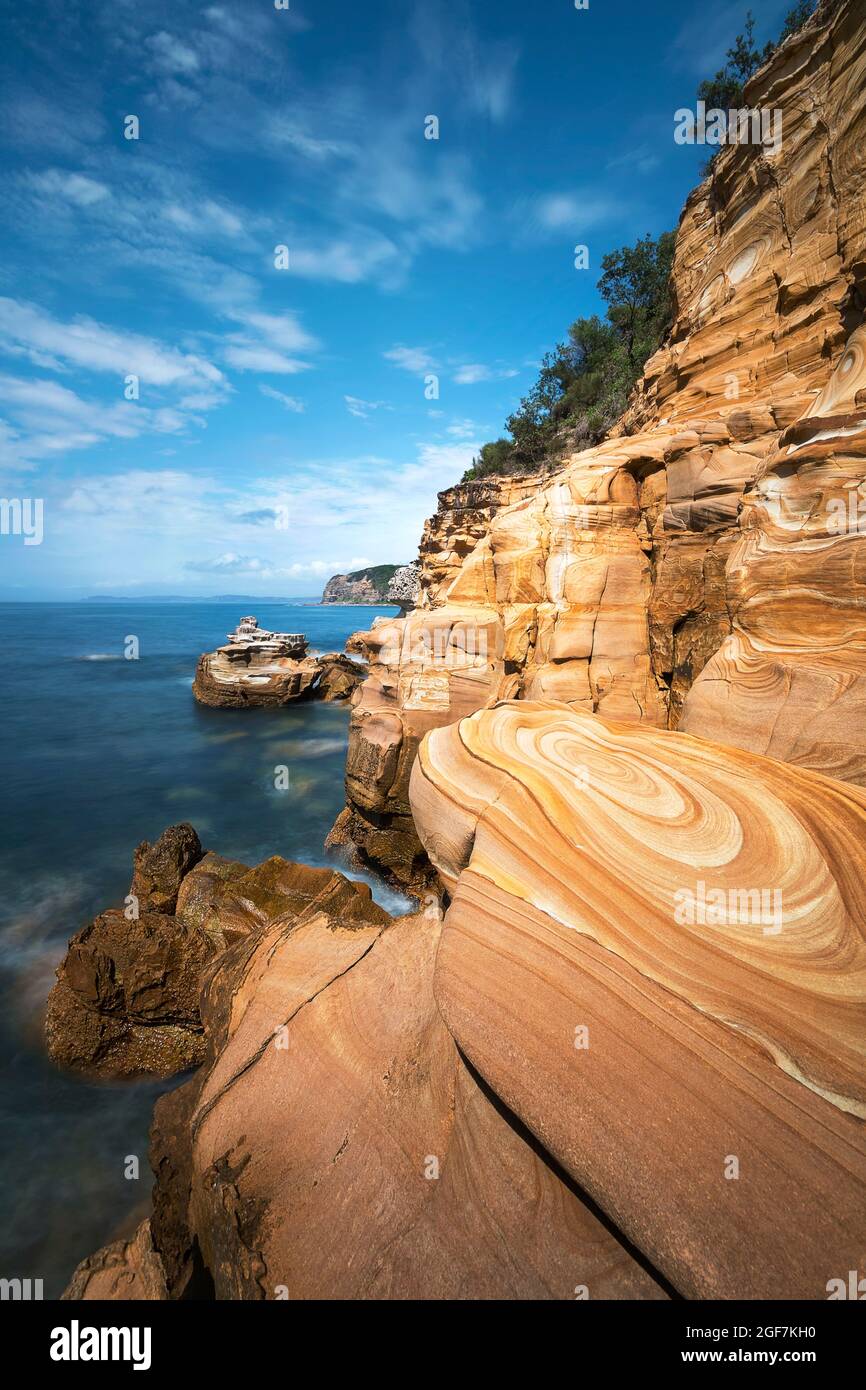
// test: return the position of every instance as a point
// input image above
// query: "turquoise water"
(100, 752)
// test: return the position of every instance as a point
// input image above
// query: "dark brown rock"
(127, 996)
(160, 868)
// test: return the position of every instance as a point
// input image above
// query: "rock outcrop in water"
(259, 668)
(128, 995)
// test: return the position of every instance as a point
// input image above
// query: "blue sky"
(269, 394)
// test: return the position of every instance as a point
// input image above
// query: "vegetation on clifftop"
(584, 383)
(379, 575)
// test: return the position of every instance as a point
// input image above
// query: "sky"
(195, 416)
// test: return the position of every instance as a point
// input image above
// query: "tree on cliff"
(796, 18)
(725, 91)
(584, 383)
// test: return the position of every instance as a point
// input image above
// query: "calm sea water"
(100, 752)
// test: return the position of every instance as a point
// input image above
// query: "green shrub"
(583, 384)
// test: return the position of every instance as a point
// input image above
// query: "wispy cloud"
(473, 372)
(50, 419)
(411, 359)
(68, 184)
(288, 402)
(28, 331)
(364, 409)
(169, 54)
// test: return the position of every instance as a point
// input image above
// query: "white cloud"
(566, 213)
(209, 216)
(250, 357)
(139, 503)
(50, 419)
(230, 563)
(417, 359)
(463, 429)
(289, 402)
(474, 372)
(172, 55)
(27, 330)
(14, 453)
(347, 261)
(363, 409)
(281, 330)
(61, 183)
(266, 339)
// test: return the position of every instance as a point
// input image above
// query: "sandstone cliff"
(692, 570)
(623, 735)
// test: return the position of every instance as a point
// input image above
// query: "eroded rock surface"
(126, 1270)
(686, 568)
(411, 1181)
(243, 677)
(660, 940)
(128, 995)
(159, 869)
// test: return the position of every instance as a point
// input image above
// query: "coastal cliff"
(691, 570)
(618, 749)
(361, 586)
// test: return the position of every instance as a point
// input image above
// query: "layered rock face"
(660, 941)
(686, 569)
(243, 676)
(337, 1145)
(461, 519)
(790, 680)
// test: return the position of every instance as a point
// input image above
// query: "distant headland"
(376, 584)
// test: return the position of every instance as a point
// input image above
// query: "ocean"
(99, 753)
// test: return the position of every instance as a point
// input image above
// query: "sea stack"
(258, 667)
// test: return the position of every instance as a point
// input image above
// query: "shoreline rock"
(260, 669)
(128, 992)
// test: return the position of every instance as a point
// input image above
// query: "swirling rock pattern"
(642, 915)
(791, 678)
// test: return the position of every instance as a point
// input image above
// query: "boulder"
(126, 1000)
(125, 1270)
(159, 869)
